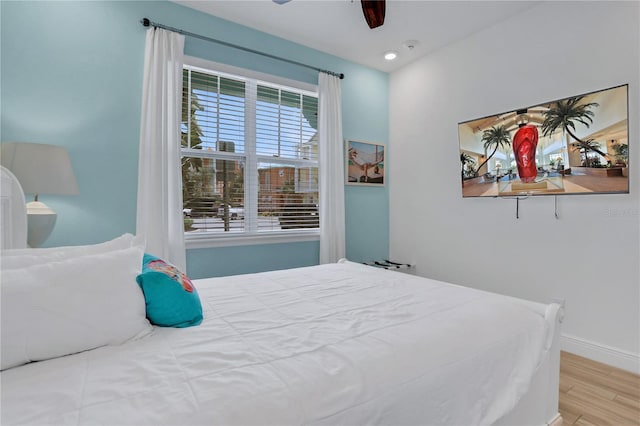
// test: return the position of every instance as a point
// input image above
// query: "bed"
(335, 344)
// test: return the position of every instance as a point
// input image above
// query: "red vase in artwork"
(524, 145)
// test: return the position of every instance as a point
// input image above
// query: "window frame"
(228, 239)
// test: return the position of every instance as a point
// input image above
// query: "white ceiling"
(338, 27)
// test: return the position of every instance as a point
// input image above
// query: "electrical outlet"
(559, 301)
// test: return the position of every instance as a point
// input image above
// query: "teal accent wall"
(71, 75)
(248, 259)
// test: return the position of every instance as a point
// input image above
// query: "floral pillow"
(171, 298)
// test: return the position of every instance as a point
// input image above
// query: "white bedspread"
(340, 344)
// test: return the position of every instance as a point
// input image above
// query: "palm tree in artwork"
(564, 114)
(497, 137)
(467, 162)
(584, 148)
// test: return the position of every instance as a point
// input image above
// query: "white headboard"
(13, 212)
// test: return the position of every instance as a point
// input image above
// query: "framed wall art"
(572, 146)
(364, 163)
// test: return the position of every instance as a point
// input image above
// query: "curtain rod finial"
(341, 76)
(145, 22)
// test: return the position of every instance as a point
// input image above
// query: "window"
(249, 157)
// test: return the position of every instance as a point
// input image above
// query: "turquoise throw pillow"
(170, 296)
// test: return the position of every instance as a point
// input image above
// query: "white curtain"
(332, 227)
(159, 215)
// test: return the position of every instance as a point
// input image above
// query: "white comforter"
(340, 344)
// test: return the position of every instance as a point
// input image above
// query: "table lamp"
(40, 169)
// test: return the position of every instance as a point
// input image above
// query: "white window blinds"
(249, 155)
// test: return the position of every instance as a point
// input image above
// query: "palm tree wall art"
(582, 147)
(497, 137)
(467, 164)
(564, 114)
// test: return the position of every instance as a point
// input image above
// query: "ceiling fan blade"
(373, 12)
(281, 1)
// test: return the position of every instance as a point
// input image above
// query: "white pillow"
(21, 258)
(64, 307)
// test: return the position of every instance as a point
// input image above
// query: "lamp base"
(40, 222)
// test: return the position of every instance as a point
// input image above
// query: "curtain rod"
(146, 22)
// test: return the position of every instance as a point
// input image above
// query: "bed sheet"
(332, 344)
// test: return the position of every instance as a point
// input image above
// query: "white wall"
(591, 255)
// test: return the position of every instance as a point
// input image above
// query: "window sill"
(195, 241)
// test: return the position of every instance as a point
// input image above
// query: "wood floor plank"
(593, 393)
(565, 383)
(625, 377)
(573, 367)
(633, 403)
(613, 384)
(590, 367)
(598, 404)
(598, 414)
(584, 384)
(583, 422)
(568, 413)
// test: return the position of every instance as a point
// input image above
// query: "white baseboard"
(601, 353)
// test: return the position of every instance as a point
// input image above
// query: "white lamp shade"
(40, 168)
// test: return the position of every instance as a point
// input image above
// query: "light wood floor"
(592, 393)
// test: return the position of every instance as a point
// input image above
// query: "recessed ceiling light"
(390, 56)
